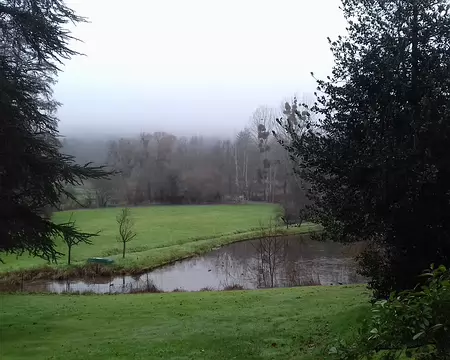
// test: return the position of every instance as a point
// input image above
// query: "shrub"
(207, 288)
(410, 324)
(233, 287)
(374, 265)
(178, 290)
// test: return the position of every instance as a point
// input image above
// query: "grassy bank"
(164, 234)
(264, 324)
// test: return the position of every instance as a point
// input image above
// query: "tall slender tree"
(379, 159)
(34, 41)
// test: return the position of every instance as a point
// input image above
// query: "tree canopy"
(377, 159)
(33, 172)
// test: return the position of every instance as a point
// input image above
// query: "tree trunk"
(149, 191)
(245, 173)
(236, 170)
(123, 253)
(69, 254)
(414, 71)
(273, 183)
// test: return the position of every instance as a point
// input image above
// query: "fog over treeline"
(94, 147)
(177, 110)
(164, 167)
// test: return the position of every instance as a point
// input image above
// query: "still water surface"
(272, 262)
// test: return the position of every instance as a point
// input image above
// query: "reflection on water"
(264, 263)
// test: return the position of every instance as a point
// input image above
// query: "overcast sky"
(191, 66)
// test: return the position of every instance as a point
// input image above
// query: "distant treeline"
(163, 168)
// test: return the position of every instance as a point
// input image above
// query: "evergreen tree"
(33, 172)
(378, 161)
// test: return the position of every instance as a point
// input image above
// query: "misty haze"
(190, 67)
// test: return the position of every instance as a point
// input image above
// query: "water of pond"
(263, 263)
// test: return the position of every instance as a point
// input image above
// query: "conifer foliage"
(34, 41)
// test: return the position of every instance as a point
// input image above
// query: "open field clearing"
(289, 323)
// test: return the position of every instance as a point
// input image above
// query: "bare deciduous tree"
(126, 228)
(103, 191)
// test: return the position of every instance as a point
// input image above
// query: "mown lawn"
(295, 323)
(164, 234)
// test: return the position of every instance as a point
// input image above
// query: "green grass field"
(164, 234)
(292, 323)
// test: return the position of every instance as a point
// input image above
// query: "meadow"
(164, 234)
(289, 323)
(285, 323)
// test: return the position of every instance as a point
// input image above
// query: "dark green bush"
(410, 324)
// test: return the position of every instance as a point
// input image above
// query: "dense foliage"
(378, 158)
(412, 324)
(33, 172)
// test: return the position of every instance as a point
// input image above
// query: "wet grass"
(156, 227)
(165, 234)
(264, 324)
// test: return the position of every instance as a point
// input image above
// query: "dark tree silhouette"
(378, 160)
(33, 172)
